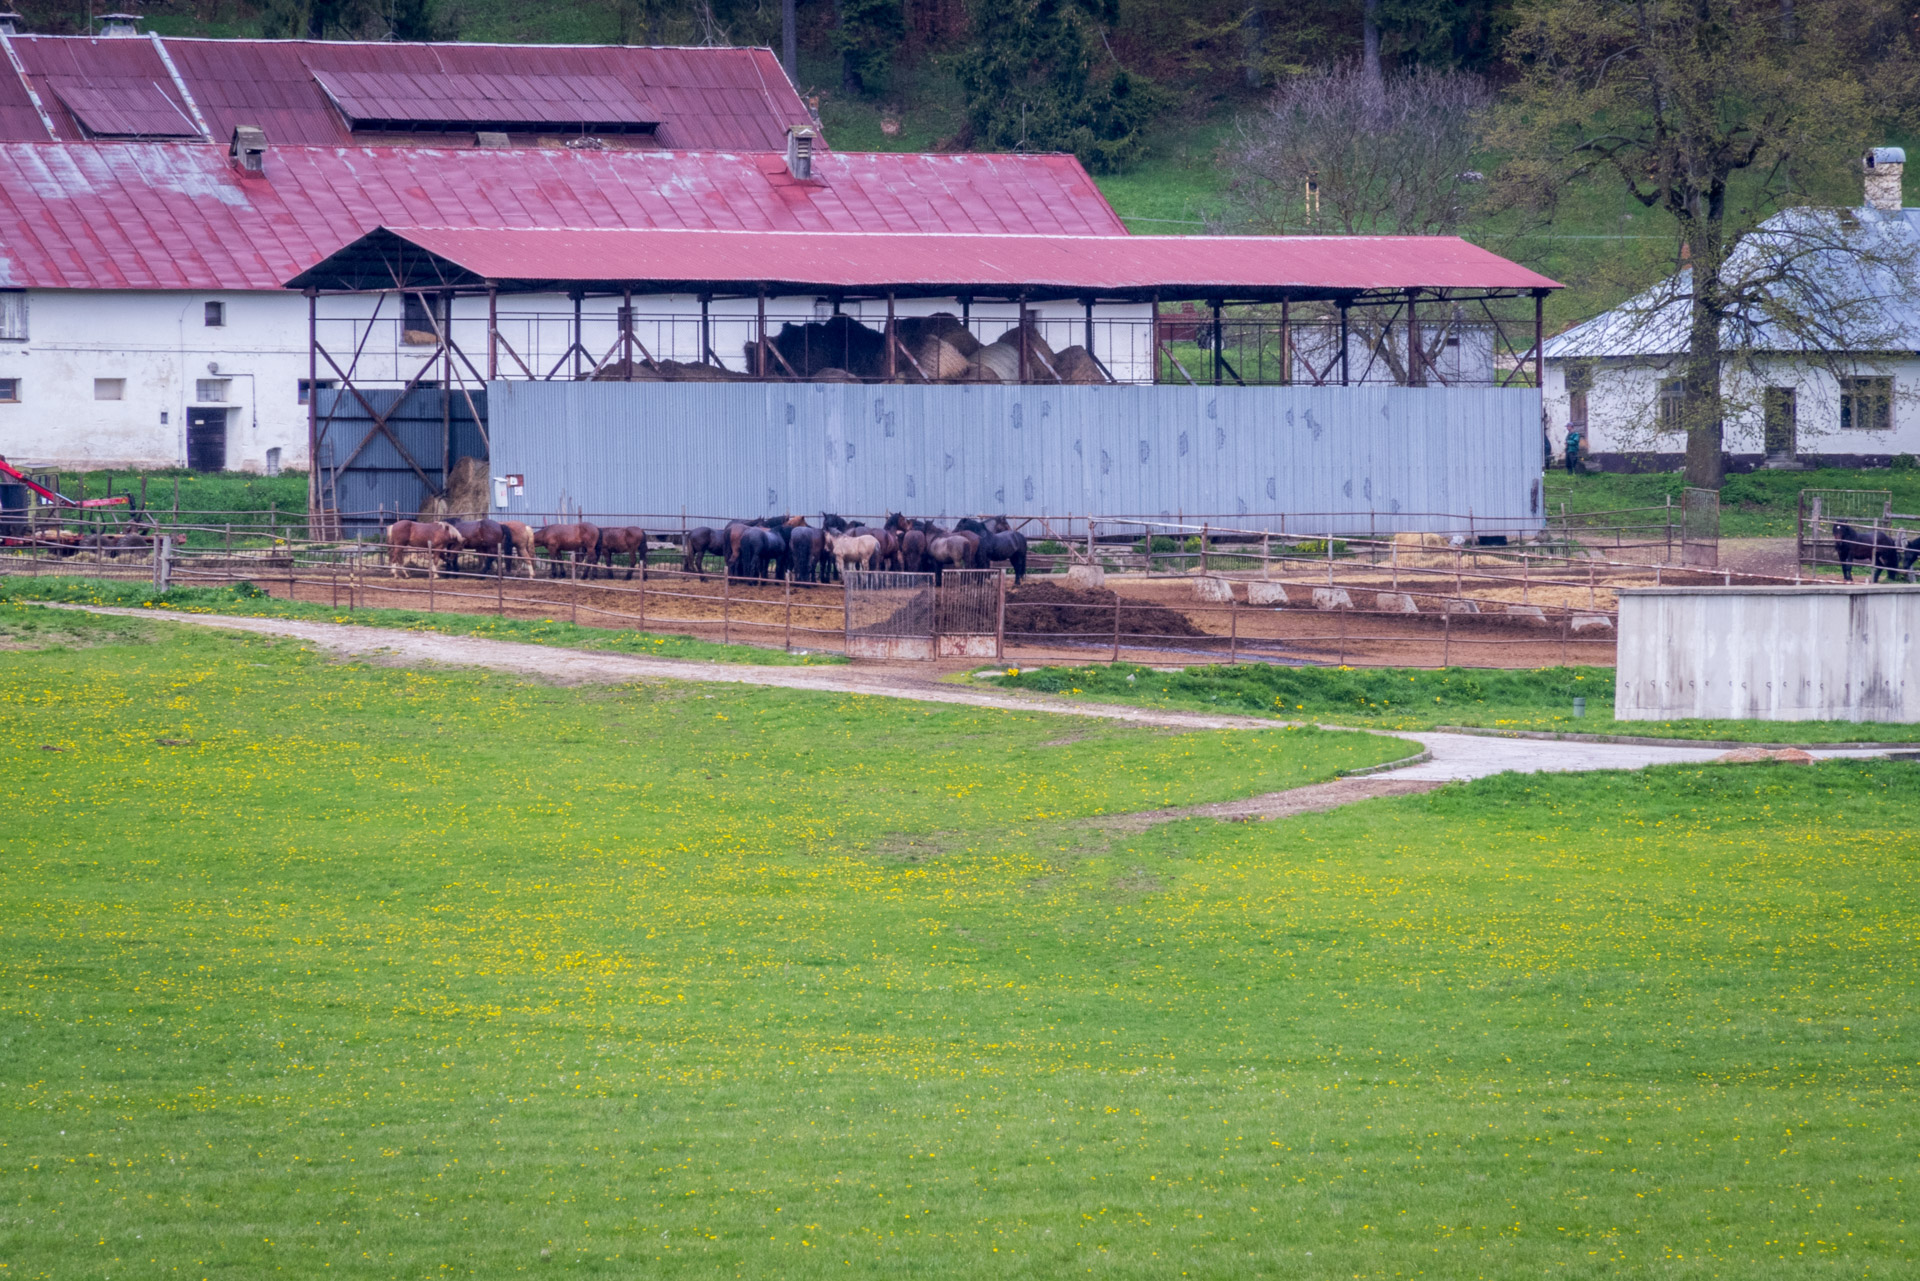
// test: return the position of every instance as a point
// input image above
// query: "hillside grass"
(244, 600)
(1761, 504)
(315, 968)
(1390, 698)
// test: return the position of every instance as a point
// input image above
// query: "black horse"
(1874, 547)
(807, 554)
(702, 541)
(999, 542)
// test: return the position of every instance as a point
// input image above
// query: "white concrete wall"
(1769, 653)
(159, 343)
(1623, 408)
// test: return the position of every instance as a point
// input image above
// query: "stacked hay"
(839, 342)
(665, 371)
(467, 496)
(1077, 365)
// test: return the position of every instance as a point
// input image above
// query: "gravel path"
(1452, 757)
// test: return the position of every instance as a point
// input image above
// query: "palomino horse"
(434, 538)
(629, 541)
(578, 542)
(853, 550)
(519, 542)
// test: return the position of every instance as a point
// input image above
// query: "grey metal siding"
(377, 479)
(1346, 459)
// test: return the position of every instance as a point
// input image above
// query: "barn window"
(13, 315)
(216, 315)
(1866, 404)
(211, 391)
(109, 389)
(9, 391)
(1673, 404)
(417, 325)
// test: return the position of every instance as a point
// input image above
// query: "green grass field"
(333, 969)
(1761, 504)
(1391, 698)
(247, 601)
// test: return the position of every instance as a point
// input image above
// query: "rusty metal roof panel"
(935, 264)
(122, 108)
(114, 215)
(453, 100)
(121, 83)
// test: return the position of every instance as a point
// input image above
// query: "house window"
(211, 391)
(417, 327)
(1866, 404)
(216, 314)
(13, 315)
(9, 391)
(1673, 404)
(273, 461)
(109, 389)
(308, 384)
(1579, 382)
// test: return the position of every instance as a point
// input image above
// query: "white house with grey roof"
(1846, 395)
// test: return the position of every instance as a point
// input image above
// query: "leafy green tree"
(1720, 115)
(1038, 76)
(865, 37)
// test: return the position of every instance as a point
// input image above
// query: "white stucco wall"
(1623, 408)
(159, 343)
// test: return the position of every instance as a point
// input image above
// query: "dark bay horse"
(579, 542)
(998, 541)
(625, 540)
(807, 553)
(490, 539)
(1875, 547)
(702, 541)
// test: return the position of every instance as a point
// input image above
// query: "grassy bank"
(1762, 504)
(311, 968)
(248, 601)
(1407, 698)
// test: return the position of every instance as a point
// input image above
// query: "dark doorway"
(207, 439)
(1781, 439)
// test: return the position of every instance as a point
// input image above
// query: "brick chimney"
(1883, 167)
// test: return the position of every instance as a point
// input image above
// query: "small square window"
(109, 389)
(1866, 404)
(13, 315)
(9, 391)
(1673, 404)
(211, 391)
(216, 314)
(307, 386)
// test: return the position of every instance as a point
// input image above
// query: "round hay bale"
(1077, 365)
(1003, 358)
(467, 490)
(939, 359)
(1035, 343)
(833, 375)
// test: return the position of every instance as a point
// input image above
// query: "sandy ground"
(1434, 758)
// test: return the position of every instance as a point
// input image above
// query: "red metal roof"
(122, 108)
(449, 100)
(705, 99)
(1243, 267)
(135, 215)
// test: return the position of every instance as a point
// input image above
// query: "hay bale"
(833, 375)
(1035, 343)
(977, 372)
(467, 490)
(939, 359)
(941, 325)
(1077, 365)
(1002, 358)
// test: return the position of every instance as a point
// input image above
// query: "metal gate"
(889, 614)
(1864, 509)
(966, 613)
(1700, 528)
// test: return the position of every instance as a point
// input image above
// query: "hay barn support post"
(1343, 343)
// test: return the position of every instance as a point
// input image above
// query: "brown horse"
(435, 538)
(629, 541)
(519, 542)
(951, 551)
(702, 541)
(489, 539)
(578, 542)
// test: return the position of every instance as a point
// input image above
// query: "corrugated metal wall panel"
(1388, 458)
(379, 480)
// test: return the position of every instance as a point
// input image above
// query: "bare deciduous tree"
(1392, 156)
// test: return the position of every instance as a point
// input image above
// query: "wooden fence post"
(1000, 620)
(726, 609)
(1116, 626)
(1233, 626)
(789, 630)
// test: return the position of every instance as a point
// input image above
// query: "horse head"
(999, 525)
(829, 520)
(970, 525)
(898, 522)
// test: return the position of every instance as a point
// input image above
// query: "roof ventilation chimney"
(249, 149)
(1883, 166)
(800, 151)
(12, 24)
(119, 24)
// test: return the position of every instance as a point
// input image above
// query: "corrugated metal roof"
(123, 81)
(132, 215)
(450, 100)
(122, 108)
(931, 263)
(701, 98)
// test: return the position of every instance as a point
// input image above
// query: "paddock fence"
(1867, 511)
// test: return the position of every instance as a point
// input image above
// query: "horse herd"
(776, 547)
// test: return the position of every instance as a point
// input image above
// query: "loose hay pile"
(1038, 610)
